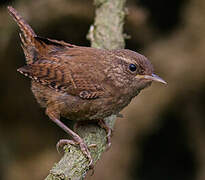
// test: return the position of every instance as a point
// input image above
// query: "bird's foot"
(77, 140)
(83, 147)
(108, 130)
(102, 124)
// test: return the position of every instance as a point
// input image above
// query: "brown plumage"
(81, 83)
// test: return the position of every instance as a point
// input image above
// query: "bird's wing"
(46, 46)
(76, 72)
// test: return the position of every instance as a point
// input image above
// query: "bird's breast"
(78, 109)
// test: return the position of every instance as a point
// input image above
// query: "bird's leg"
(82, 123)
(108, 130)
(77, 140)
(102, 124)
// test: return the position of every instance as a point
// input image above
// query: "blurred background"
(162, 134)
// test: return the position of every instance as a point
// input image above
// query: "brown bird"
(81, 83)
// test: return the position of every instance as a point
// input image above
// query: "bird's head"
(133, 71)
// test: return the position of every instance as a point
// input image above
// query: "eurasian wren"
(81, 83)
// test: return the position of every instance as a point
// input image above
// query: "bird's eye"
(132, 67)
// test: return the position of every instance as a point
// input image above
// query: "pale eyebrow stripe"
(125, 59)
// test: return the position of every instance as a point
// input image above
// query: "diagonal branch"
(107, 33)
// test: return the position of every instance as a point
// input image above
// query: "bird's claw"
(83, 147)
(108, 130)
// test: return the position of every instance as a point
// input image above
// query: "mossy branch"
(107, 33)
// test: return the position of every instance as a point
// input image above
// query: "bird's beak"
(152, 77)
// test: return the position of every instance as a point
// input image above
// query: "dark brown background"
(162, 134)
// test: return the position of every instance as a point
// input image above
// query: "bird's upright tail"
(27, 36)
(25, 28)
(34, 46)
